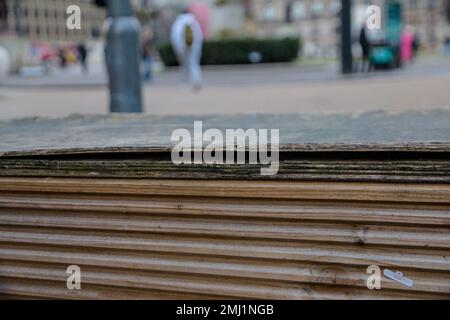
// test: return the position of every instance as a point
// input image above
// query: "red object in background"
(45, 52)
(202, 14)
(406, 45)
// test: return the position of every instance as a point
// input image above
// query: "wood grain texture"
(383, 192)
(437, 147)
(223, 239)
(144, 234)
(431, 171)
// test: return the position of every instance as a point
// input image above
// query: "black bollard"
(346, 37)
(122, 57)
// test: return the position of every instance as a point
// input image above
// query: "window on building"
(269, 12)
(3, 15)
(298, 10)
(317, 8)
(335, 7)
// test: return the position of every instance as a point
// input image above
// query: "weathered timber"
(141, 228)
(395, 163)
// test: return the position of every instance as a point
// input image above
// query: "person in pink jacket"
(407, 45)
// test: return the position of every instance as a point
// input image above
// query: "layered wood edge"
(383, 163)
(288, 147)
(186, 236)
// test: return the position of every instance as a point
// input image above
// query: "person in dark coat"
(365, 46)
(82, 56)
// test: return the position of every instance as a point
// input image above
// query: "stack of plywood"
(141, 228)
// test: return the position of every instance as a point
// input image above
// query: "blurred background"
(259, 56)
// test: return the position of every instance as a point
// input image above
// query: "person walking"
(365, 47)
(83, 56)
(407, 45)
(447, 43)
(62, 57)
(187, 42)
(5, 64)
(147, 54)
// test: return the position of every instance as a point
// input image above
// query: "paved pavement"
(268, 89)
(73, 77)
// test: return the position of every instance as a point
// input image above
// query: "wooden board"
(159, 232)
(414, 162)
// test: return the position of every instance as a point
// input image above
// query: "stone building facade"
(45, 20)
(317, 22)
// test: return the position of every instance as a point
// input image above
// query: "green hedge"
(236, 51)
